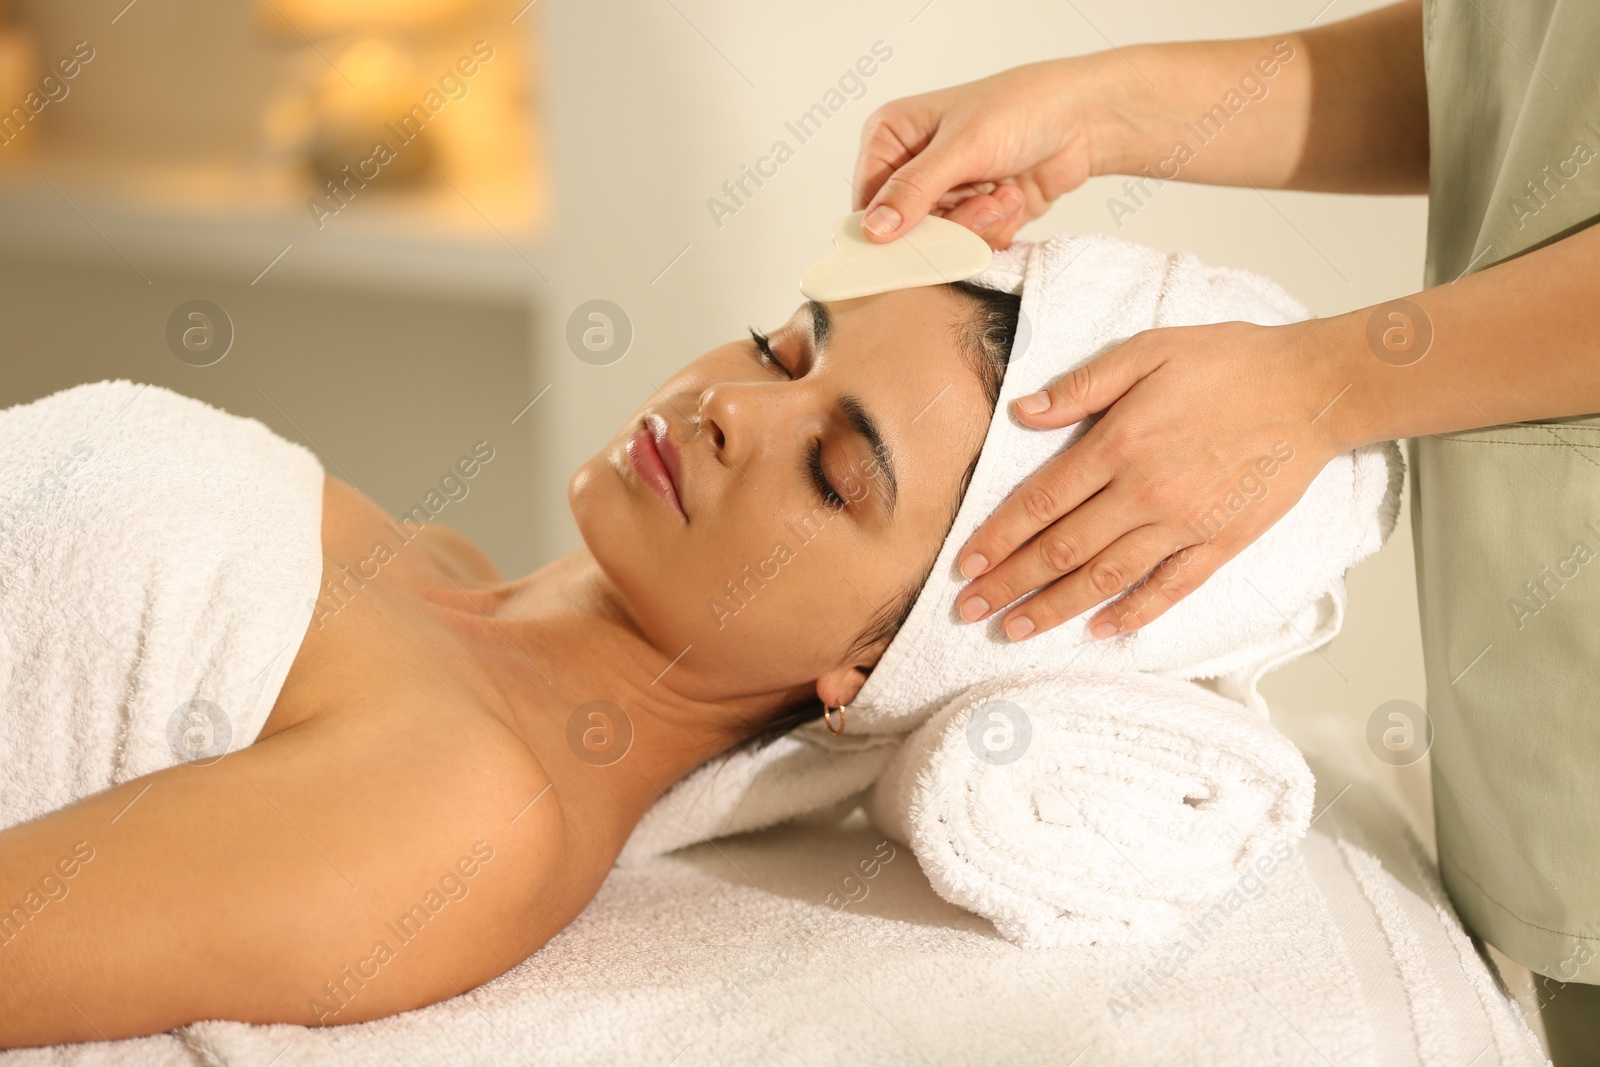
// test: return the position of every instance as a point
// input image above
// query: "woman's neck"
(613, 719)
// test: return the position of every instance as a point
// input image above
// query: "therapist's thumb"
(912, 191)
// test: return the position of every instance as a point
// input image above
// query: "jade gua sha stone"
(932, 252)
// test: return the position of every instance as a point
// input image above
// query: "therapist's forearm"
(1516, 342)
(1347, 110)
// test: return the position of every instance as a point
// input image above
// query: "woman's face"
(813, 489)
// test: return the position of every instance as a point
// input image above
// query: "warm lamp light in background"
(407, 93)
(19, 69)
(284, 97)
(329, 18)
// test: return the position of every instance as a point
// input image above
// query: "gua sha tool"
(932, 252)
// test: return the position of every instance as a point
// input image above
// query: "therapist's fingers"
(1003, 232)
(1071, 477)
(1048, 493)
(1059, 549)
(1173, 579)
(981, 213)
(890, 138)
(886, 146)
(1113, 571)
(914, 188)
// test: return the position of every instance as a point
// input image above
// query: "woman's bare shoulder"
(335, 872)
(350, 517)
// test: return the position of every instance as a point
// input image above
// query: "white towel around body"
(1098, 810)
(158, 562)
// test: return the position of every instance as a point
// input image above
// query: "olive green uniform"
(1507, 519)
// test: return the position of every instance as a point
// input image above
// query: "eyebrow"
(855, 412)
(862, 422)
(821, 325)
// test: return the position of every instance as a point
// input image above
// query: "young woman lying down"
(415, 817)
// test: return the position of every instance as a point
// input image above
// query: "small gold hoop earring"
(827, 720)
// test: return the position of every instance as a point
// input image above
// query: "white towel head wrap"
(1083, 294)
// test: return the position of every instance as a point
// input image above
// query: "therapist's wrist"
(1123, 121)
(1347, 382)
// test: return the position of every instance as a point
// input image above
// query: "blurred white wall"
(653, 105)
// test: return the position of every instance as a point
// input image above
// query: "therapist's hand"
(990, 154)
(1209, 435)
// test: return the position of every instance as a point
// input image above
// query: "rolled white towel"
(1099, 809)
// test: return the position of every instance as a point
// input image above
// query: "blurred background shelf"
(202, 221)
(198, 136)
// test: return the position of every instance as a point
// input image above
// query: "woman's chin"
(610, 514)
(578, 486)
(593, 497)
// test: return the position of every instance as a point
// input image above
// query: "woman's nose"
(739, 417)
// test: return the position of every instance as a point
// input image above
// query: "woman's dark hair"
(985, 338)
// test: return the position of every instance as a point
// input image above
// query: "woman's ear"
(840, 686)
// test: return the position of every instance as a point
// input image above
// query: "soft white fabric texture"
(1282, 596)
(778, 949)
(1094, 828)
(153, 551)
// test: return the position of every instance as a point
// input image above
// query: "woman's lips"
(668, 451)
(647, 459)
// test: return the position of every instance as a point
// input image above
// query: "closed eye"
(764, 351)
(819, 477)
